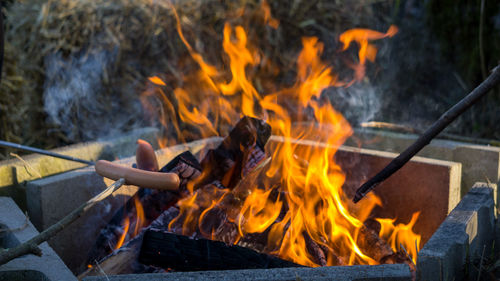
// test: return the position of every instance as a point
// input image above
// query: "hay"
(139, 37)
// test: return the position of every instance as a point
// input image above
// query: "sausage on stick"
(133, 176)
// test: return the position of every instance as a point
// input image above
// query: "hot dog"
(145, 156)
(146, 179)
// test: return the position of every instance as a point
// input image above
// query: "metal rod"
(44, 152)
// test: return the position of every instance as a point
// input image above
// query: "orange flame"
(126, 225)
(366, 50)
(268, 18)
(140, 219)
(156, 80)
(298, 197)
(401, 235)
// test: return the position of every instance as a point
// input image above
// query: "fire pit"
(252, 200)
(440, 177)
(430, 177)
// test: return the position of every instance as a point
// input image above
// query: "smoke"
(74, 98)
(358, 103)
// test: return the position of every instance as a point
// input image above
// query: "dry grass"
(139, 37)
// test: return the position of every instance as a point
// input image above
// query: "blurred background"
(74, 70)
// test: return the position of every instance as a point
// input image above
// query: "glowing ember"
(298, 196)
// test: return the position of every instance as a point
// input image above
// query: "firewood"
(238, 153)
(128, 255)
(186, 166)
(374, 246)
(182, 253)
(332, 256)
(315, 250)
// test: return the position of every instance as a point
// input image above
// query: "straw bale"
(140, 40)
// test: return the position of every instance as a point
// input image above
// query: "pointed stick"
(443, 121)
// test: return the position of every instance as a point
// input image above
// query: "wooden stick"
(31, 246)
(430, 133)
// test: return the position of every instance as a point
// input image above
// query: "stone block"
(29, 267)
(393, 272)
(461, 237)
(479, 163)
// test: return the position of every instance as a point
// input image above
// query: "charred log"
(378, 249)
(238, 153)
(182, 253)
(315, 250)
(374, 246)
(186, 166)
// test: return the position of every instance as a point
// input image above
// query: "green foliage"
(456, 23)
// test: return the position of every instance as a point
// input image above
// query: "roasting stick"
(44, 152)
(132, 176)
(430, 133)
(31, 246)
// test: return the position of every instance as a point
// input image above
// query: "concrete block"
(29, 267)
(393, 272)
(14, 173)
(51, 198)
(479, 163)
(462, 237)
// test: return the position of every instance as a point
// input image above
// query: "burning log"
(315, 250)
(182, 253)
(186, 166)
(126, 259)
(379, 250)
(219, 188)
(238, 154)
(375, 247)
